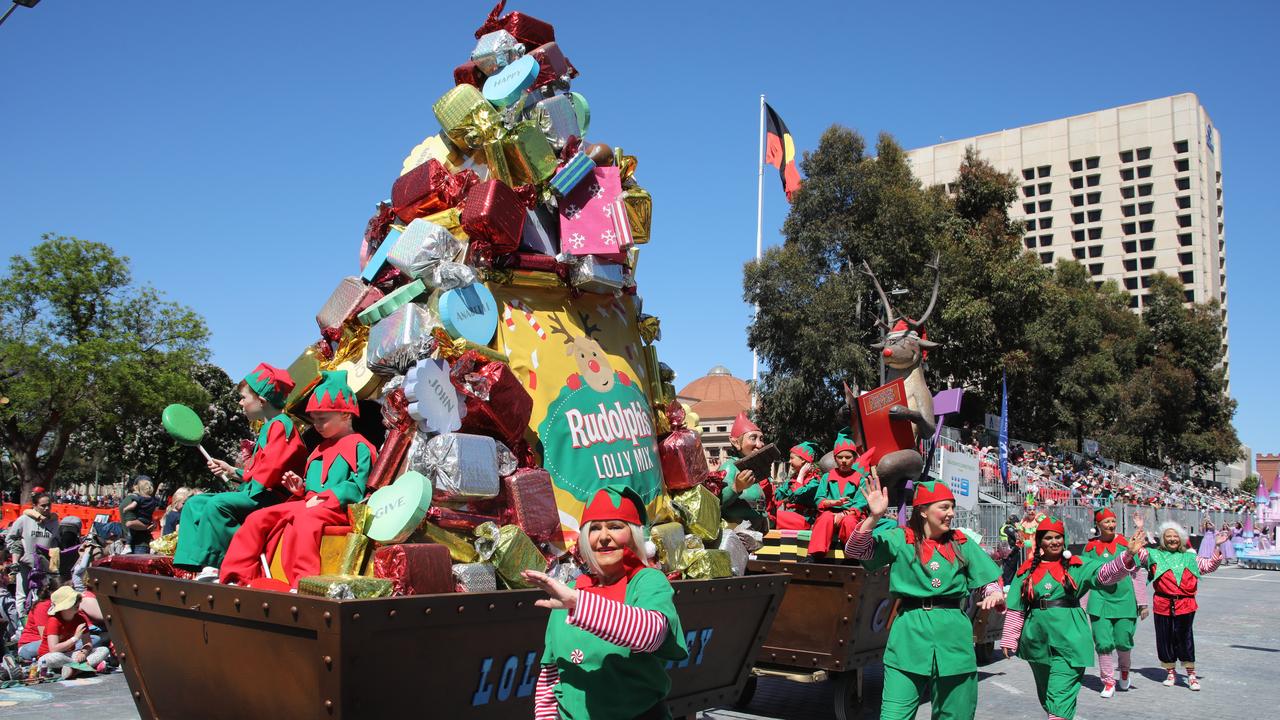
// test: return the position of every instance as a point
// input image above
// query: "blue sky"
(234, 150)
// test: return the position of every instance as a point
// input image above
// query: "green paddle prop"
(184, 426)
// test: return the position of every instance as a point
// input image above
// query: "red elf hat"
(271, 383)
(1051, 524)
(615, 502)
(742, 425)
(931, 491)
(1103, 514)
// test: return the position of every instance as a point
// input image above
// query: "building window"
(1184, 221)
(1129, 246)
(1031, 223)
(1078, 252)
(1147, 226)
(1126, 174)
(1095, 215)
(1144, 153)
(1046, 240)
(1046, 222)
(1095, 251)
(1095, 269)
(1131, 283)
(1093, 180)
(1127, 210)
(1126, 156)
(1044, 188)
(1091, 163)
(1147, 244)
(1184, 239)
(1077, 235)
(1095, 198)
(1077, 183)
(1077, 165)
(1095, 233)
(1077, 200)
(1129, 228)
(1184, 183)
(1077, 217)
(1043, 170)
(1046, 257)
(1133, 301)
(1147, 263)
(1145, 208)
(1144, 171)
(1030, 242)
(1029, 190)
(1130, 265)
(1188, 276)
(1126, 192)
(1146, 280)
(1180, 146)
(1184, 202)
(1028, 208)
(1046, 205)
(1184, 258)
(1028, 173)
(1190, 295)
(1181, 165)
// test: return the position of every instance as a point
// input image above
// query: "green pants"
(1112, 633)
(953, 697)
(209, 520)
(1057, 685)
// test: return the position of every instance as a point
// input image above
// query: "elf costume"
(752, 503)
(337, 470)
(931, 641)
(209, 521)
(1175, 579)
(786, 513)
(841, 506)
(606, 658)
(1046, 625)
(1113, 610)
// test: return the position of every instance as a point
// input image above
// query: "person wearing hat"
(209, 521)
(66, 646)
(336, 474)
(1113, 610)
(1046, 626)
(1174, 570)
(610, 637)
(745, 496)
(836, 496)
(933, 568)
(785, 512)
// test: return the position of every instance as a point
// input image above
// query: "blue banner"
(1004, 428)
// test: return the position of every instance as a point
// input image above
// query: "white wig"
(589, 557)
(1182, 532)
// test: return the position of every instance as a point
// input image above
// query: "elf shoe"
(1108, 689)
(1193, 682)
(1172, 679)
(1124, 683)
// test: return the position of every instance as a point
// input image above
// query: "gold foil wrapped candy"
(451, 220)
(529, 155)
(460, 550)
(700, 512)
(650, 328)
(163, 545)
(668, 538)
(344, 587)
(510, 551)
(455, 111)
(707, 564)
(639, 205)
(354, 554)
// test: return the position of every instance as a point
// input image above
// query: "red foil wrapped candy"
(430, 188)
(531, 504)
(530, 31)
(493, 217)
(497, 404)
(415, 569)
(684, 464)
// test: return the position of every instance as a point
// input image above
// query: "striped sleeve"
(1112, 572)
(1208, 565)
(860, 546)
(631, 627)
(1139, 576)
(544, 697)
(1013, 620)
(992, 587)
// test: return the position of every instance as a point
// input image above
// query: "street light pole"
(14, 6)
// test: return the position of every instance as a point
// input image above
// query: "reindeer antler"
(558, 328)
(587, 327)
(936, 266)
(884, 299)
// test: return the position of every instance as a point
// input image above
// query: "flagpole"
(755, 357)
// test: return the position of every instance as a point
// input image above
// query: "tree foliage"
(1079, 363)
(83, 348)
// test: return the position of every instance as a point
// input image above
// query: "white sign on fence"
(960, 471)
(992, 422)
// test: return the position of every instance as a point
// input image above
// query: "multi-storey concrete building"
(1128, 192)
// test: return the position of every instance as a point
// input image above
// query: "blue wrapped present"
(578, 167)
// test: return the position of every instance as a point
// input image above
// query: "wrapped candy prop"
(474, 577)
(460, 548)
(400, 340)
(146, 564)
(460, 466)
(497, 403)
(668, 539)
(531, 503)
(527, 30)
(459, 521)
(399, 508)
(344, 587)
(708, 564)
(700, 512)
(399, 426)
(163, 545)
(510, 551)
(417, 569)
(731, 543)
(429, 188)
(432, 399)
(349, 299)
(684, 463)
(391, 302)
(426, 251)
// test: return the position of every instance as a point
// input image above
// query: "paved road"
(1237, 641)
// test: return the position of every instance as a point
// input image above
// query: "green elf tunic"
(600, 673)
(930, 646)
(738, 506)
(1055, 641)
(210, 520)
(1112, 609)
(827, 487)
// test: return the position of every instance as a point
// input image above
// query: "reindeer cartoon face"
(592, 362)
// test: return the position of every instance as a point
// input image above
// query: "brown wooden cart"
(193, 650)
(834, 621)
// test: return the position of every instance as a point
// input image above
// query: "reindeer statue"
(903, 349)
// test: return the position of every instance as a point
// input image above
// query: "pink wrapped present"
(531, 503)
(349, 299)
(684, 464)
(590, 221)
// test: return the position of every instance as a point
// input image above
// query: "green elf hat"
(333, 394)
(844, 441)
(931, 491)
(806, 451)
(270, 383)
(616, 502)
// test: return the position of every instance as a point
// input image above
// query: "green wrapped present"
(344, 587)
(668, 538)
(530, 158)
(700, 512)
(707, 564)
(354, 554)
(510, 551)
(455, 111)
(460, 550)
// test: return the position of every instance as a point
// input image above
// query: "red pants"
(263, 530)
(790, 520)
(825, 525)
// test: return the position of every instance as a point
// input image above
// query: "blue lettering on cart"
(506, 679)
(698, 639)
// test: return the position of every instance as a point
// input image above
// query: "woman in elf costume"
(1113, 610)
(841, 506)
(336, 472)
(745, 496)
(788, 514)
(610, 636)
(209, 521)
(932, 570)
(1174, 570)
(1045, 625)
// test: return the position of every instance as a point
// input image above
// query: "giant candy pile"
(495, 319)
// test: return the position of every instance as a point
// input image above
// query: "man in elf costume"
(210, 520)
(786, 513)
(836, 495)
(745, 496)
(1113, 610)
(336, 473)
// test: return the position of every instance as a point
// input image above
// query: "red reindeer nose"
(595, 366)
(888, 352)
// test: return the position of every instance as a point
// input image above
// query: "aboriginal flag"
(780, 151)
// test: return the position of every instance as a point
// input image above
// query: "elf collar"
(944, 546)
(1108, 548)
(1053, 569)
(344, 447)
(631, 565)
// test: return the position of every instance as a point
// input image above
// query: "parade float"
(505, 369)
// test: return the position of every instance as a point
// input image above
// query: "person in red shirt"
(1174, 571)
(33, 631)
(66, 641)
